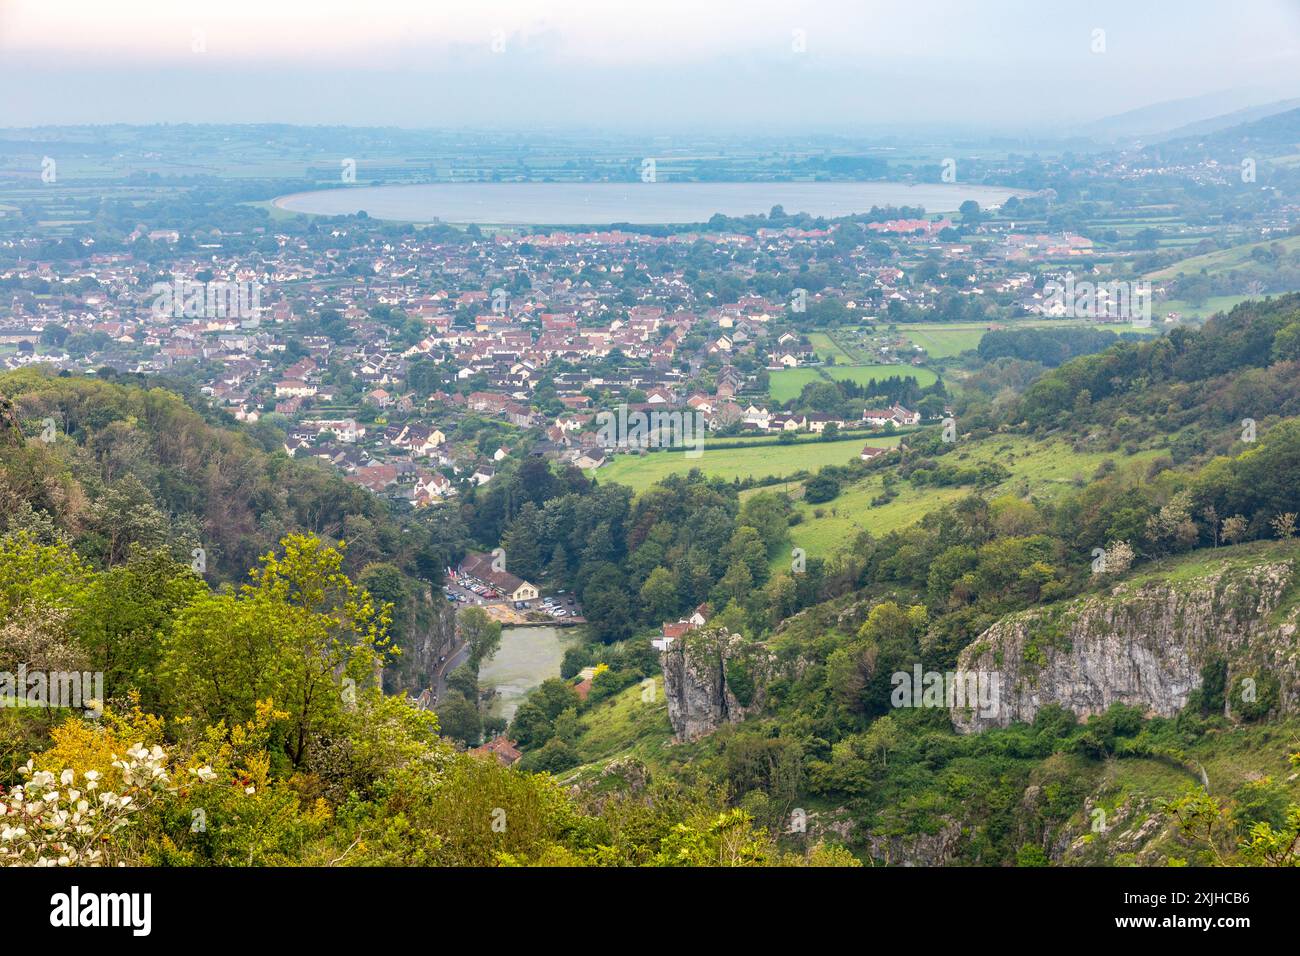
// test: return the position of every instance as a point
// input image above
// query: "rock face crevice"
(1143, 645)
(712, 678)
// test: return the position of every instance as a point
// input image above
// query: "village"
(385, 360)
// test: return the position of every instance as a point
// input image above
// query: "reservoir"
(596, 204)
(527, 656)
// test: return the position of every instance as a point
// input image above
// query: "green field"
(639, 472)
(947, 339)
(788, 383)
(944, 340)
(1039, 469)
(1211, 306)
(827, 348)
(1224, 260)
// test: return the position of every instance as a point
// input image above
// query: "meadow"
(1041, 469)
(788, 383)
(1224, 260)
(639, 472)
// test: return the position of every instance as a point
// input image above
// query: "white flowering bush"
(61, 821)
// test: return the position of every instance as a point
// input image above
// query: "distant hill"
(1191, 116)
(1229, 120)
(1281, 129)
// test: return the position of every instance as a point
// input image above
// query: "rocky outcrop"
(917, 849)
(711, 678)
(1142, 644)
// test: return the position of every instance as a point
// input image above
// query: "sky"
(637, 65)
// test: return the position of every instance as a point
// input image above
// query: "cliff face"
(1143, 644)
(711, 678)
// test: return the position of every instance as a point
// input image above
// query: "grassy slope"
(626, 725)
(641, 471)
(1043, 468)
(1223, 260)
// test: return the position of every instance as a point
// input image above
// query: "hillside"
(1117, 687)
(1107, 553)
(128, 469)
(920, 793)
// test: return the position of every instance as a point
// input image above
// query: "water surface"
(527, 656)
(640, 203)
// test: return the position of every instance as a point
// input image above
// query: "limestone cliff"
(1146, 642)
(712, 677)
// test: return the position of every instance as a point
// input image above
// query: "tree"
(747, 547)
(881, 737)
(1284, 525)
(660, 595)
(1211, 515)
(821, 488)
(606, 605)
(388, 586)
(1234, 529)
(531, 726)
(1119, 557)
(736, 585)
(300, 634)
(481, 633)
(459, 719)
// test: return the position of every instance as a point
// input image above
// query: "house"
(817, 421)
(589, 458)
(374, 477)
(896, 415)
(487, 402)
(759, 417)
(430, 488)
(294, 388)
(870, 452)
(672, 631)
(419, 439)
(344, 429)
(504, 750)
(480, 568)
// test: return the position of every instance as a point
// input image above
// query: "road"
(457, 657)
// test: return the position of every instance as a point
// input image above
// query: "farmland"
(788, 383)
(1225, 260)
(640, 471)
(1040, 469)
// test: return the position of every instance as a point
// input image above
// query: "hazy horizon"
(1002, 67)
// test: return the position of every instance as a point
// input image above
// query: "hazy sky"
(634, 64)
